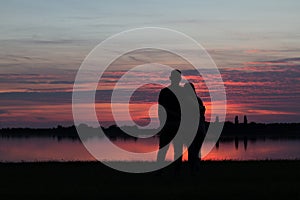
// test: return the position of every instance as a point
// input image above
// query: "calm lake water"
(52, 149)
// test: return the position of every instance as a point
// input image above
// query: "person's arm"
(161, 110)
(164, 109)
(201, 105)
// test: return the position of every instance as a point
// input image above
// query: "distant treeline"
(230, 130)
(71, 132)
(261, 129)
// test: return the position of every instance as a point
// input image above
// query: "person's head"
(175, 77)
(189, 87)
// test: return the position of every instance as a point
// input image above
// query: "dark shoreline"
(279, 179)
(230, 131)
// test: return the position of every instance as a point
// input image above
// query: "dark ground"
(93, 180)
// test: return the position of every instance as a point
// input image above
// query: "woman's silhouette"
(195, 147)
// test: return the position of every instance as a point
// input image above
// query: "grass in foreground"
(93, 180)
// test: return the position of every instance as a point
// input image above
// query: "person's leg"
(162, 152)
(198, 145)
(192, 156)
(178, 150)
(163, 148)
(197, 157)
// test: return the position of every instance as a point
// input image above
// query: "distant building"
(217, 119)
(245, 120)
(236, 120)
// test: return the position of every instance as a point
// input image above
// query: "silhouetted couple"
(170, 116)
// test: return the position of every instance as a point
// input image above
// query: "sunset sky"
(255, 44)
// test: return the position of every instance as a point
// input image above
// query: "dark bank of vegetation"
(275, 130)
(230, 131)
(71, 132)
(94, 180)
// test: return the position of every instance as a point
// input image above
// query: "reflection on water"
(256, 149)
(41, 149)
(45, 149)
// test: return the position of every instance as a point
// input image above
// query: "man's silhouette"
(170, 113)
